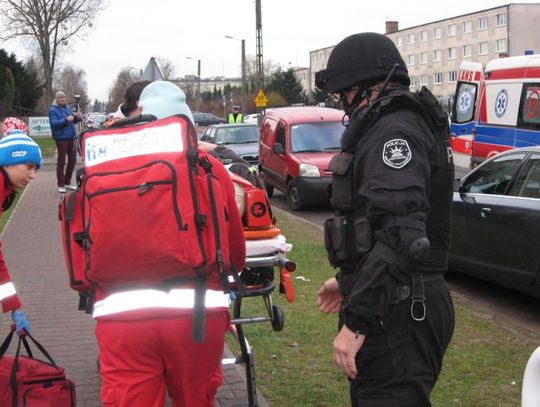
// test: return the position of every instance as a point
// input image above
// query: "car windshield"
(321, 136)
(237, 135)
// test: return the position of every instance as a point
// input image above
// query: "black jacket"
(401, 168)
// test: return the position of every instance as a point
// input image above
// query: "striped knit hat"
(18, 148)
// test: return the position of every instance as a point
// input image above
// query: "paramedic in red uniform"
(20, 157)
(145, 335)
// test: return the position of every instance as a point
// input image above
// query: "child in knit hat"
(20, 157)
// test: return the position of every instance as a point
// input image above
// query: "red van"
(296, 146)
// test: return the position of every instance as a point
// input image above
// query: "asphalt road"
(317, 214)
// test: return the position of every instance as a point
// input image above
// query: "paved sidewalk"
(33, 250)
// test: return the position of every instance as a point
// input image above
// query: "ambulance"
(495, 109)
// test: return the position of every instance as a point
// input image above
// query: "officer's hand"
(346, 346)
(329, 297)
(69, 118)
(21, 322)
(79, 115)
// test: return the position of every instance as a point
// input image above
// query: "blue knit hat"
(164, 99)
(18, 148)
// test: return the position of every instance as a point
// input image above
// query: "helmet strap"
(361, 94)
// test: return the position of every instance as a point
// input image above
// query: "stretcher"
(263, 255)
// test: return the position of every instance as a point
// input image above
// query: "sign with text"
(39, 127)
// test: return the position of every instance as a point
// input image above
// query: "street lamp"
(243, 87)
(198, 80)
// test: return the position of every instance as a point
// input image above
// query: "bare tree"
(167, 68)
(50, 24)
(72, 81)
(116, 93)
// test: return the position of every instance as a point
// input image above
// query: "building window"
(436, 55)
(500, 45)
(410, 60)
(413, 80)
(410, 39)
(452, 76)
(437, 33)
(483, 48)
(467, 26)
(399, 41)
(483, 23)
(501, 19)
(467, 50)
(424, 80)
(452, 30)
(423, 58)
(437, 78)
(423, 36)
(452, 53)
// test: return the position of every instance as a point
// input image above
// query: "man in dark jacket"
(62, 120)
(392, 196)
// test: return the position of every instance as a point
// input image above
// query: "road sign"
(260, 99)
(39, 126)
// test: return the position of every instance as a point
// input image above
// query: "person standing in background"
(235, 116)
(62, 120)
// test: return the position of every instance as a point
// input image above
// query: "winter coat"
(62, 129)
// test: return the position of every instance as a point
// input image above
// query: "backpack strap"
(199, 310)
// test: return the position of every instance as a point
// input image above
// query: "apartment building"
(434, 51)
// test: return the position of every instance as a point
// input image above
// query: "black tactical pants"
(399, 366)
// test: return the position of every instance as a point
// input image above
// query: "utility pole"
(243, 89)
(259, 54)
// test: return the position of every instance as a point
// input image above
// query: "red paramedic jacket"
(11, 302)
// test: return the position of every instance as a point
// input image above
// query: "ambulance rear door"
(464, 111)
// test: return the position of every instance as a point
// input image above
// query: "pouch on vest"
(342, 197)
(346, 239)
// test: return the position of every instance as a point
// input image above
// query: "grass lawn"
(483, 366)
(47, 146)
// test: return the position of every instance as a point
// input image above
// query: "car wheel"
(294, 200)
(269, 190)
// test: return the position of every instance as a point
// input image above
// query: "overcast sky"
(129, 32)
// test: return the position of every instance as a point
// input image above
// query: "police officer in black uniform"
(389, 237)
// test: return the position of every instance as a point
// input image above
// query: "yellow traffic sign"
(260, 99)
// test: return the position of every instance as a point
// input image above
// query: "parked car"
(206, 119)
(496, 221)
(94, 120)
(241, 138)
(296, 146)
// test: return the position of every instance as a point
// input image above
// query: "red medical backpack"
(149, 209)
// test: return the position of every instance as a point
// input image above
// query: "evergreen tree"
(27, 88)
(287, 85)
(7, 90)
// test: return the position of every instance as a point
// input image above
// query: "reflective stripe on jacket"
(180, 298)
(7, 290)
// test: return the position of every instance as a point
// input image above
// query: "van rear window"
(530, 106)
(464, 103)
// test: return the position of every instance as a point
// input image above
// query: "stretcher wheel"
(278, 320)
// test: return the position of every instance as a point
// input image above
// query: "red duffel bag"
(26, 381)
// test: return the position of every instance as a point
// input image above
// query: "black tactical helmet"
(361, 58)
